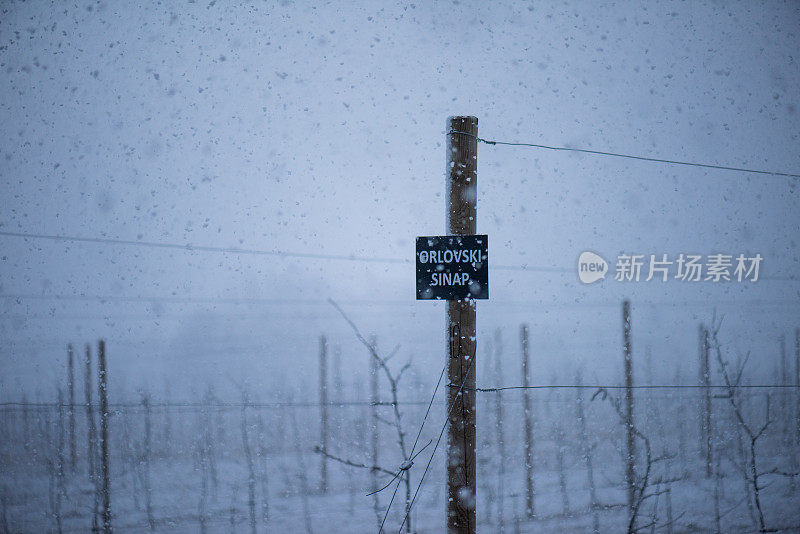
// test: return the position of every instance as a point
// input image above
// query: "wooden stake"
(630, 471)
(784, 399)
(526, 405)
(374, 436)
(705, 381)
(501, 440)
(797, 384)
(71, 412)
(462, 155)
(323, 401)
(106, 482)
(92, 431)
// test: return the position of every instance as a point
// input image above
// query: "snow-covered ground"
(194, 473)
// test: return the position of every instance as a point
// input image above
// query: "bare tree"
(396, 422)
(753, 432)
(644, 481)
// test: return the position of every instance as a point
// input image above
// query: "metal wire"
(629, 156)
(438, 440)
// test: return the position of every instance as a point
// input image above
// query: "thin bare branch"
(351, 463)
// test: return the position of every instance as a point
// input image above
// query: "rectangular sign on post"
(453, 267)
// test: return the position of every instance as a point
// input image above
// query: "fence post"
(526, 406)
(374, 436)
(797, 384)
(796, 389)
(784, 398)
(587, 450)
(323, 401)
(92, 432)
(461, 213)
(71, 400)
(498, 414)
(146, 457)
(705, 382)
(630, 460)
(106, 482)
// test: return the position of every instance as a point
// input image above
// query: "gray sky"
(320, 130)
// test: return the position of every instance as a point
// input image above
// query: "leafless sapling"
(642, 482)
(396, 422)
(753, 431)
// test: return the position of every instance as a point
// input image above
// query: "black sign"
(453, 267)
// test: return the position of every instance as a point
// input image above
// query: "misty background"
(300, 128)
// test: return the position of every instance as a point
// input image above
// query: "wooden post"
(630, 460)
(106, 489)
(374, 436)
(462, 176)
(705, 381)
(145, 459)
(71, 412)
(526, 406)
(784, 398)
(92, 432)
(501, 440)
(587, 450)
(797, 385)
(796, 444)
(323, 402)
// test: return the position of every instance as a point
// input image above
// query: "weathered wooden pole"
(528, 416)
(323, 404)
(498, 422)
(92, 437)
(797, 386)
(462, 176)
(705, 382)
(630, 460)
(104, 459)
(375, 421)
(71, 399)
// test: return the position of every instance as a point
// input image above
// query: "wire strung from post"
(416, 440)
(428, 411)
(404, 467)
(438, 440)
(629, 156)
(220, 404)
(635, 386)
(412, 455)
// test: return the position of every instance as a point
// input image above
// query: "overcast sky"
(321, 130)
